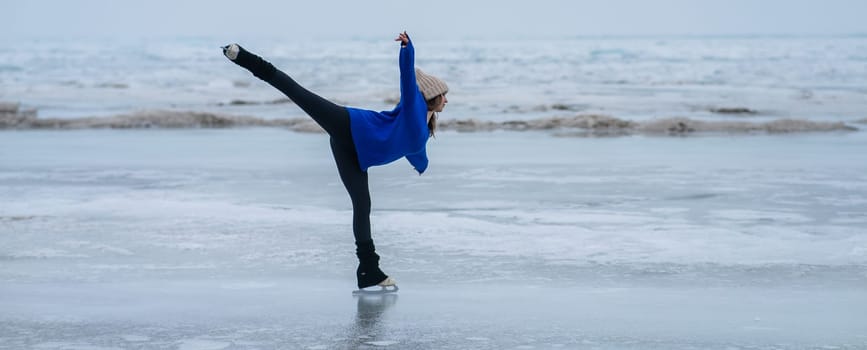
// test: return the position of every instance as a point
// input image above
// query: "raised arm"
(408, 85)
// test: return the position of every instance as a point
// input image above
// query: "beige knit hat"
(429, 85)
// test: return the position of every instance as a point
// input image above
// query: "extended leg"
(332, 117)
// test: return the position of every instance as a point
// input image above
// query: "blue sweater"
(383, 137)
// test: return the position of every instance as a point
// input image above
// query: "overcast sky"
(448, 19)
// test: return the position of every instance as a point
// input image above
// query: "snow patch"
(45, 253)
(760, 215)
(247, 285)
(381, 343)
(135, 338)
(200, 344)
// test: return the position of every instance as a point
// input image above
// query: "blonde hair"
(431, 104)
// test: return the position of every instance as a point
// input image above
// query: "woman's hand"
(403, 38)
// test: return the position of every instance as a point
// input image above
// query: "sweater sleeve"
(418, 160)
(408, 85)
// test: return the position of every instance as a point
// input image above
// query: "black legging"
(335, 120)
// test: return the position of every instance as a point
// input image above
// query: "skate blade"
(374, 291)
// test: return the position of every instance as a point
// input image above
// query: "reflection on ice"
(368, 328)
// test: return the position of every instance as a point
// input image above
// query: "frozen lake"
(241, 239)
(297, 313)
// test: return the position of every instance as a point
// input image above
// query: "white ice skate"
(231, 51)
(389, 285)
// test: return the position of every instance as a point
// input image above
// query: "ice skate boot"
(368, 273)
(386, 286)
(259, 67)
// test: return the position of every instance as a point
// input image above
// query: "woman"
(363, 138)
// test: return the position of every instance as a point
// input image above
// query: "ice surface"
(212, 239)
(198, 315)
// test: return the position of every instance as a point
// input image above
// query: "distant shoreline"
(12, 118)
